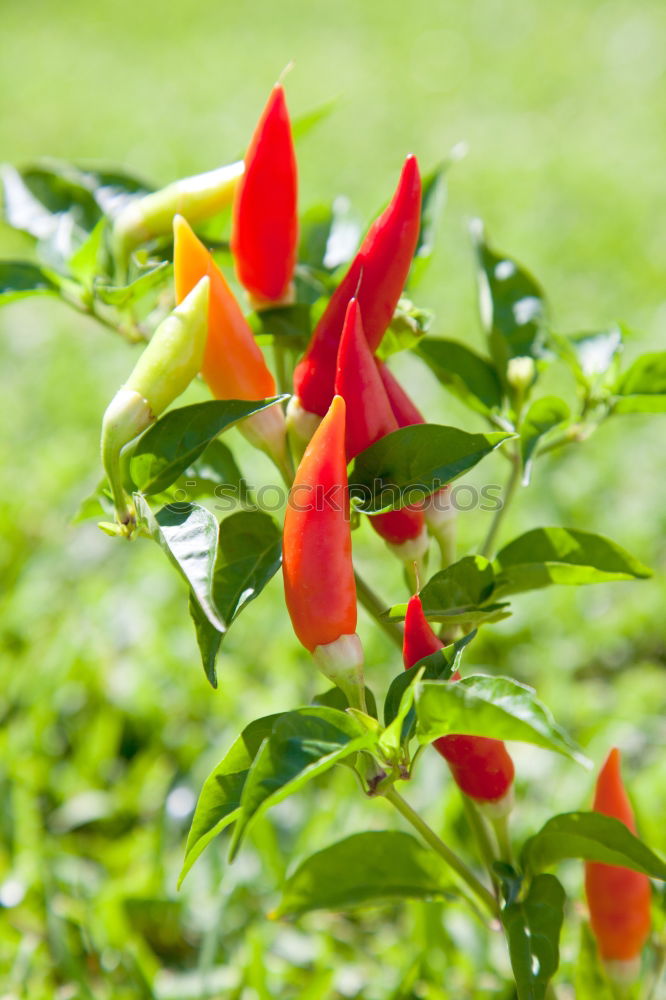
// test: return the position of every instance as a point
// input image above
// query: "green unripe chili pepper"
(196, 198)
(165, 369)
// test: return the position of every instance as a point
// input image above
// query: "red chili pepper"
(404, 409)
(317, 564)
(369, 418)
(264, 234)
(618, 898)
(481, 767)
(440, 515)
(383, 261)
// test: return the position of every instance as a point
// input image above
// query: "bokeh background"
(108, 724)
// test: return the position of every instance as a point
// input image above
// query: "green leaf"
(301, 125)
(289, 326)
(219, 801)
(411, 463)
(113, 188)
(533, 931)
(438, 666)
(642, 388)
(329, 235)
(460, 594)
(209, 639)
(512, 305)
(187, 533)
(562, 555)
(177, 440)
(592, 837)
(543, 416)
(589, 355)
(365, 869)
(303, 745)
(19, 278)
(216, 473)
(465, 373)
(49, 198)
(87, 261)
(335, 698)
(408, 326)
(123, 296)
(249, 554)
(489, 706)
(432, 204)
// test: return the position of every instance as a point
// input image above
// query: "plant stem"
(376, 608)
(438, 845)
(501, 827)
(509, 491)
(280, 366)
(481, 834)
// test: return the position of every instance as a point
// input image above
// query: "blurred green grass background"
(108, 724)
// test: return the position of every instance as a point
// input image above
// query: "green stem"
(438, 845)
(512, 484)
(280, 366)
(481, 834)
(501, 827)
(376, 608)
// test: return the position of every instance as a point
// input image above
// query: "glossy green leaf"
(642, 388)
(209, 639)
(411, 463)
(177, 440)
(123, 296)
(187, 533)
(249, 554)
(438, 666)
(461, 594)
(365, 869)
(592, 837)
(303, 745)
(545, 556)
(544, 415)
(219, 801)
(19, 278)
(533, 928)
(46, 197)
(112, 189)
(512, 305)
(465, 373)
(489, 706)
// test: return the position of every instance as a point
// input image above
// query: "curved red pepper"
(369, 417)
(317, 563)
(383, 262)
(264, 235)
(481, 767)
(618, 898)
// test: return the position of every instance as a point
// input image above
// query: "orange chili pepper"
(618, 898)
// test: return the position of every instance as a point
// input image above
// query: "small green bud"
(521, 373)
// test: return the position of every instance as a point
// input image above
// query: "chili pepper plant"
(299, 334)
